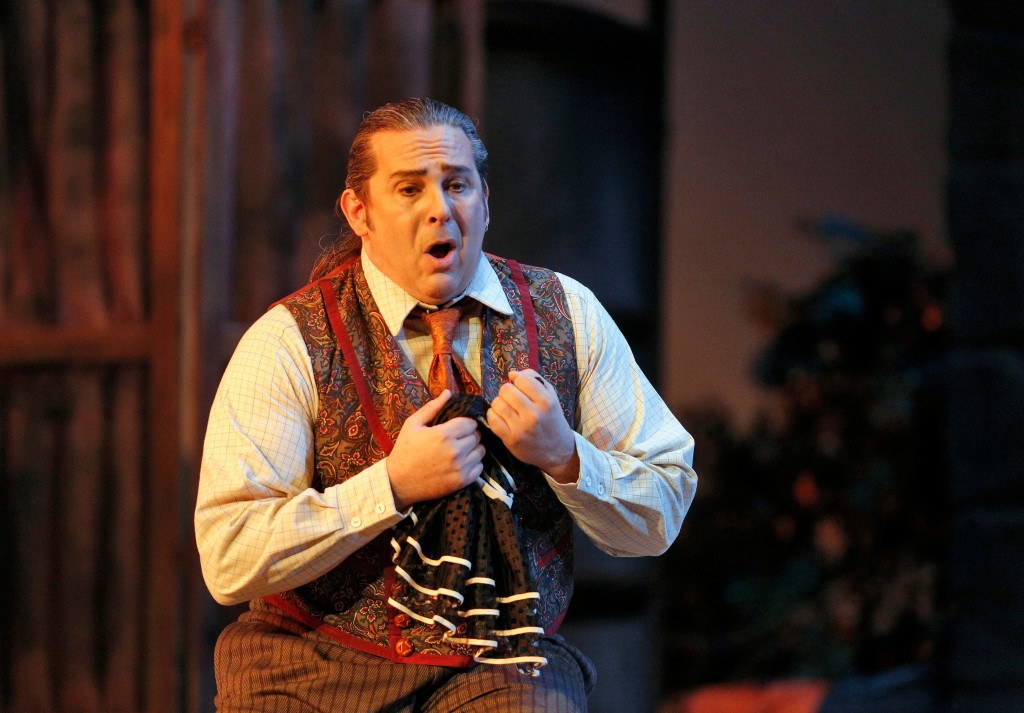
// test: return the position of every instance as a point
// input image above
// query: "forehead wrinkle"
(417, 152)
(444, 167)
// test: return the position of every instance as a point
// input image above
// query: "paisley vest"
(367, 387)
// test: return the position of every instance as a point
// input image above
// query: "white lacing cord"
(429, 621)
(425, 590)
(538, 661)
(494, 491)
(429, 560)
(508, 476)
(479, 612)
(517, 597)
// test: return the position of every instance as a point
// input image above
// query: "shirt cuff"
(595, 481)
(366, 502)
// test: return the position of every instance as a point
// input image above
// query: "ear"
(355, 211)
(487, 207)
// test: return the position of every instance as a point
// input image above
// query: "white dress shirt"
(261, 529)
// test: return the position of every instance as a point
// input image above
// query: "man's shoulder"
(579, 298)
(311, 292)
(304, 295)
(509, 266)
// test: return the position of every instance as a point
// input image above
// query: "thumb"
(426, 413)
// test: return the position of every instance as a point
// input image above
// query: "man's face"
(425, 215)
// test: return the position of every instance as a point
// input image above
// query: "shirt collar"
(395, 304)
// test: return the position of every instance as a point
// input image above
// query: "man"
(322, 440)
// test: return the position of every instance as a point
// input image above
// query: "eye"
(407, 189)
(458, 186)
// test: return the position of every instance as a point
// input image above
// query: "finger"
(531, 384)
(516, 401)
(428, 411)
(498, 425)
(513, 374)
(503, 406)
(477, 454)
(458, 427)
(465, 441)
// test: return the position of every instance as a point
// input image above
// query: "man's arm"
(260, 527)
(628, 481)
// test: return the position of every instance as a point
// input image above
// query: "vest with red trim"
(367, 388)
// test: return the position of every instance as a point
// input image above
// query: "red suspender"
(358, 378)
(529, 317)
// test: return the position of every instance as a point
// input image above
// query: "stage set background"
(168, 169)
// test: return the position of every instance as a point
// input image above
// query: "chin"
(442, 290)
(436, 294)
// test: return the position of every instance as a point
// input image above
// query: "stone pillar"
(984, 668)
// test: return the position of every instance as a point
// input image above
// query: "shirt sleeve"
(636, 476)
(260, 526)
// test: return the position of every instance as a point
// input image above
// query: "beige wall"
(781, 110)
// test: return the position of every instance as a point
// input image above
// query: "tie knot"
(443, 323)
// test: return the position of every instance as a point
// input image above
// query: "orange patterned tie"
(446, 370)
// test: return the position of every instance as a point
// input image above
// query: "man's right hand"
(430, 462)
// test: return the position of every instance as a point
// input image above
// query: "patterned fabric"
(446, 370)
(460, 557)
(352, 598)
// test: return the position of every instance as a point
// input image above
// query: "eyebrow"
(445, 168)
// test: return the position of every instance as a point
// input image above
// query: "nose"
(440, 209)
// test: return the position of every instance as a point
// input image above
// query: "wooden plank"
(294, 138)
(29, 282)
(7, 148)
(123, 194)
(220, 192)
(123, 604)
(79, 500)
(123, 343)
(193, 415)
(27, 432)
(163, 636)
(8, 542)
(30, 413)
(123, 229)
(72, 194)
(72, 186)
(338, 62)
(261, 165)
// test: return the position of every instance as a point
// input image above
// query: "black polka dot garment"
(460, 563)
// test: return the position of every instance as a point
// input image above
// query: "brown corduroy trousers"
(266, 662)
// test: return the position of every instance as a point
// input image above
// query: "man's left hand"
(528, 419)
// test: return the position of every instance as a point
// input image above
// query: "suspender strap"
(358, 377)
(529, 317)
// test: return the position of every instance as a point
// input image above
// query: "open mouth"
(441, 250)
